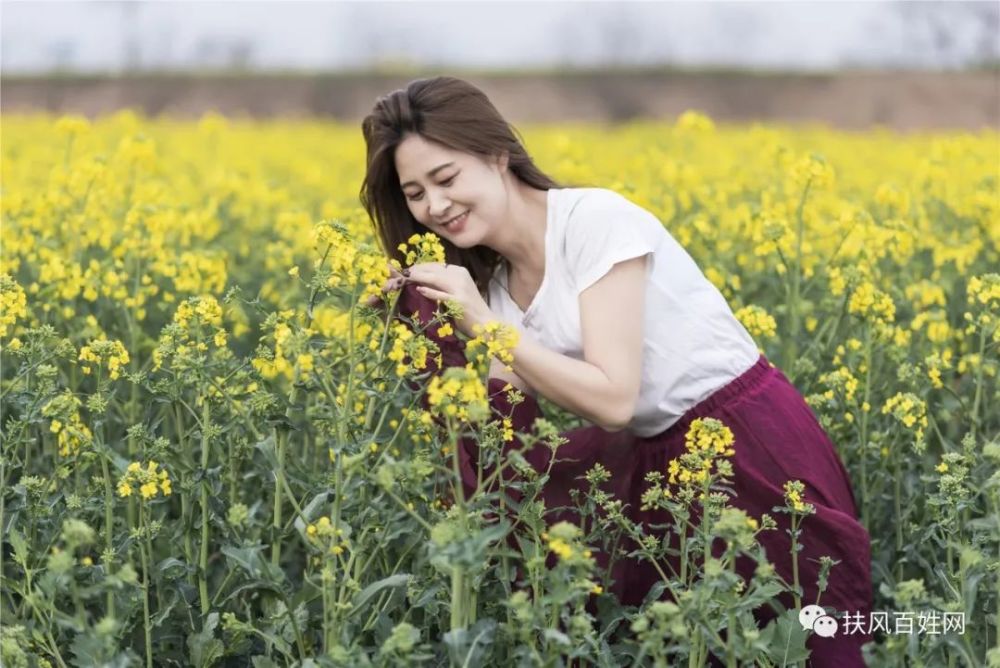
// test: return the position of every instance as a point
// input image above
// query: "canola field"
(215, 454)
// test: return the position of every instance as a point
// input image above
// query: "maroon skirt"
(777, 439)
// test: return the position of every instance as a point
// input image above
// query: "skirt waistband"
(743, 383)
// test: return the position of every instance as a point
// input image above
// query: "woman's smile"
(457, 224)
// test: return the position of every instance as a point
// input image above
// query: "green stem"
(864, 424)
(147, 627)
(203, 556)
(109, 525)
(896, 489)
(185, 500)
(282, 436)
(731, 624)
(794, 316)
(795, 559)
(458, 587)
(979, 383)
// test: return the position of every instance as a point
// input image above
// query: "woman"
(618, 325)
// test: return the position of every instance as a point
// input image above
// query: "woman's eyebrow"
(430, 173)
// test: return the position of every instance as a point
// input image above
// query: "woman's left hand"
(440, 282)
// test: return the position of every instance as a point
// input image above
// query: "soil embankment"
(906, 101)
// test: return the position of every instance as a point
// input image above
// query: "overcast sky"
(92, 36)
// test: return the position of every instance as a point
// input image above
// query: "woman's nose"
(439, 204)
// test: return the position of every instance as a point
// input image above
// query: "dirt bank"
(852, 100)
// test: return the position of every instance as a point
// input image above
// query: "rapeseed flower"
(794, 493)
(103, 353)
(909, 410)
(494, 339)
(149, 481)
(13, 303)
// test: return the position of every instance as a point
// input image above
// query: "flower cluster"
(458, 392)
(345, 262)
(872, 304)
(149, 481)
(984, 294)
(421, 248)
(196, 322)
(706, 443)
(103, 353)
(910, 410)
(935, 363)
(814, 170)
(273, 362)
(322, 534)
(564, 538)
(709, 436)
(71, 125)
(758, 322)
(736, 527)
(496, 339)
(985, 290)
(840, 381)
(935, 321)
(71, 433)
(694, 121)
(407, 345)
(13, 303)
(794, 491)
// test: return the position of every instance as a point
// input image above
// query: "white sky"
(89, 35)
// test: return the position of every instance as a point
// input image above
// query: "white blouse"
(692, 342)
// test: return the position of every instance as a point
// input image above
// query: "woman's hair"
(455, 114)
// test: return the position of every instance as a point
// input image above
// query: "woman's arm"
(498, 370)
(603, 387)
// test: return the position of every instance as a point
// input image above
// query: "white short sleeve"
(605, 229)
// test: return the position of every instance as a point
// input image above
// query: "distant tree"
(950, 34)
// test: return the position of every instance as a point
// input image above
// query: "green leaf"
(785, 639)
(468, 647)
(204, 648)
(362, 598)
(20, 546)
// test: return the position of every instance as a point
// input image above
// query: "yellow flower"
(151, 480)
(709, 435)
(494, 339)
(561, 547)
(872, 304)
(758, 322)
(460, 393)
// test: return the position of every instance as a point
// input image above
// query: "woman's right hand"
(395, 282)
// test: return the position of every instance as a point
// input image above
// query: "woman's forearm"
(576, 385)
(498, 370)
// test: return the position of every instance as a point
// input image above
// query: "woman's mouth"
(457, 223)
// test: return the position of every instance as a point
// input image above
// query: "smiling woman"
(618, 325)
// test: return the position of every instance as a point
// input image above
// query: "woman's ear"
(502, 160)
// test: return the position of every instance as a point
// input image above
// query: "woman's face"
(443, 185)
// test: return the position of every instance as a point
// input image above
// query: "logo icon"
(814, 618)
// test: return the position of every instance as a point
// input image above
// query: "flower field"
(215, 453)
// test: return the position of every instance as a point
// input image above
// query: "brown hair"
(455, 114)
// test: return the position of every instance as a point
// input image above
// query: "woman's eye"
(446, 182)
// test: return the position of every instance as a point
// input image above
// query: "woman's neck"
(520, 239)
